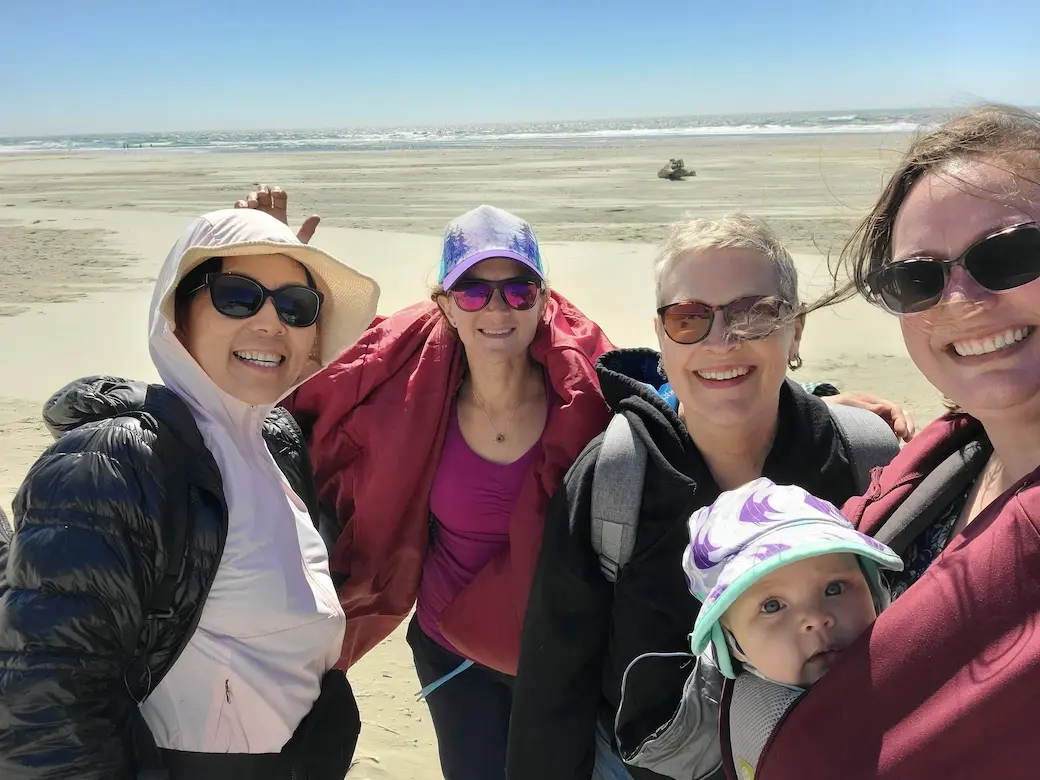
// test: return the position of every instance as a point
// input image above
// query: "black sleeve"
(82, 564)
(558, 686)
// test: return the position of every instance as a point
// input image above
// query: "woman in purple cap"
(437, 441)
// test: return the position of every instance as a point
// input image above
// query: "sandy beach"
(81, 237)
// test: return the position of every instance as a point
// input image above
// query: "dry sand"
(82, 236)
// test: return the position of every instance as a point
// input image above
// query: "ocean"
(530, 135)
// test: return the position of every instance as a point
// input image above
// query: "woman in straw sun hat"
(169, 610)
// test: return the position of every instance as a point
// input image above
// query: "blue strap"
(421, 696)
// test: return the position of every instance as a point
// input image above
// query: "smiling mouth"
(721, 375)
(991, 344)
(496, 332)
(260, 359)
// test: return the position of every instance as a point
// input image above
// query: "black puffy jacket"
(87, 552)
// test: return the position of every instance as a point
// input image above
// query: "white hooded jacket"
(271, 625)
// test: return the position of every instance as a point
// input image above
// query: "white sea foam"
(590, 133)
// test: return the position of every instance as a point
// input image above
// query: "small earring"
(795, 363)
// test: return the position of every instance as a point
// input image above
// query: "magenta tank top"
(471, 501)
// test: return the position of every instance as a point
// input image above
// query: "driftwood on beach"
(675, 170)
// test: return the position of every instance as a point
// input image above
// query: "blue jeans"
(609, 765)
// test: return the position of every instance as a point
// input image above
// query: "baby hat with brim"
(483, 233)
(754, 530)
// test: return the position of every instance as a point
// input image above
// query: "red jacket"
(946, 683)
(379, 416)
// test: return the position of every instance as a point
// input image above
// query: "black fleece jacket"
(581, 632)
(86, 550)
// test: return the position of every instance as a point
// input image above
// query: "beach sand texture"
(82, 236)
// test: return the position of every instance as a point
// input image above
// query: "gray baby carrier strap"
(687, 746)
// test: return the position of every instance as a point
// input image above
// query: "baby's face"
(793, 624)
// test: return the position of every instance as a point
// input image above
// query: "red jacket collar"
(378, 417)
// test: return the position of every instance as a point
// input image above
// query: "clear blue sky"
(110, 65)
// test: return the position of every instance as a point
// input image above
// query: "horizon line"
(440, 126)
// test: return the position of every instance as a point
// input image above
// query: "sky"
(69, 66)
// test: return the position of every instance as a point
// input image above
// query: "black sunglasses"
(472, 295)
(998, 262)
(240, 297)
(749, 318)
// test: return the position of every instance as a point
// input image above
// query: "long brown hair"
(1003, 136)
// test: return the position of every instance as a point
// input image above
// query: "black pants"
(470, 712)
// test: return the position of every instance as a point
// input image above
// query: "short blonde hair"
(733, 231)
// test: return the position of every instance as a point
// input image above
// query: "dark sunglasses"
(999, 262)
(753, 317)
(240, 297)
(472, 295)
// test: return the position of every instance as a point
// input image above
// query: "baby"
(785, 581)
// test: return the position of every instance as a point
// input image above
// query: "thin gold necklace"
(500, 436)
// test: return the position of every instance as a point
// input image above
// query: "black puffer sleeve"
(82, 564)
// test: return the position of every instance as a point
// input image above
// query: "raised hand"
(275, 201)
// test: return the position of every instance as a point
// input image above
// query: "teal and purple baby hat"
(483, 233)
(757, 529)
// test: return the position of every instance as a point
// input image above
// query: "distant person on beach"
(437, 442)
(729, 324)
(945, 683)
(168, 605)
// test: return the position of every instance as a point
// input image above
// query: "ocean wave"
(478, 136)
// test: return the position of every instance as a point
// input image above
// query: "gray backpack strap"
(617, 493)
(869, 442)
(933, 494)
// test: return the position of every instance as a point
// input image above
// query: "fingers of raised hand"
(279, 198)
(263, 197)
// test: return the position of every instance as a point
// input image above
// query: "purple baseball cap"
(757, 529)
(483, 233)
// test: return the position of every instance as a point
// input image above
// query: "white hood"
(272, 624)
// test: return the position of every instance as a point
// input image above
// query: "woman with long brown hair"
(945, 683)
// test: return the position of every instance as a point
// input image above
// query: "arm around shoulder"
(557, 691)
(82, 564)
